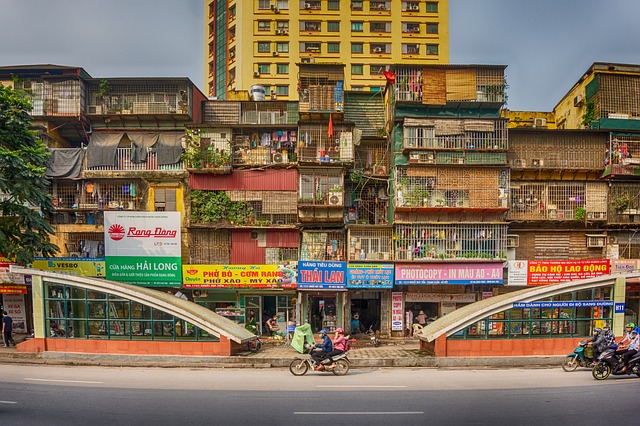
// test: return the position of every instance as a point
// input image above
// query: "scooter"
(582, 356)
(611, 363)
(299, 366)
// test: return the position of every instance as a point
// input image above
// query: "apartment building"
(260, 42)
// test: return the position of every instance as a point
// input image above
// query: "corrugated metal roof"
(248, 180)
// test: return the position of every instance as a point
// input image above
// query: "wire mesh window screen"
(368, 203)
(81, 244)
(373, 158)
(322, 246)
(450, 241)
(566, 151)
(316, 186)
(96, 195)
(557, 201)
(317, 144)
(267, 207)
(455, 134)
(275, 255)
(370, 244)
(161, 97)
(619, 95)
(209, 246)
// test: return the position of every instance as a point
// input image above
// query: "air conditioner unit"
(278, 32)
(232, 54)
(256, 74)
(596, 241)
(285, 32)
(377, 50)
(75, 254)
(307, 6)
(307, 60)
(457, 161)
(520, 162)
(539, 122)
(276, 10)
(273, 7)
(578, 101)
(276, 54)
(280, 158)
(513, 241)
(335, 198)
(613, 239)
(537, 162)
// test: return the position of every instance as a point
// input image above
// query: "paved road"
(61, 395)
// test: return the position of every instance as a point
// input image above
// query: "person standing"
(408, 322)
(7, 328)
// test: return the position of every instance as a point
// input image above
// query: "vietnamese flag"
(330, 131)
(390, 76)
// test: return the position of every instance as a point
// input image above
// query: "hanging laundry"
(132, 189)
(265, 139)
(125, 189)
(88, 187)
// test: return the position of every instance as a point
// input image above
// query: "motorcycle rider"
(339, 346)
(609, 338)
(598, 342)
(628, 346)
(319, 356)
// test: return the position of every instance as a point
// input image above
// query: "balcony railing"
(123, 163)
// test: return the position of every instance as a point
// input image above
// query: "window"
(333, 26)
(282, 47)
(310, 26)
(432, 6)
(357, 26)
(264, 68)
(264, 25)
(411, 48)
(432, 49)
(164, 199)
(333, 47)
(283, 68)
(378, 5)
(357, 69)
(380, 48)
(432, 28)
(411, 6)
(310, 5)
(333, 5)
(376, 69)
(264, 4)
(357, 47)
(356, 5)
(410, 27)
(379, 27)
(282, 25)
(313, 47)
(282, 90)
(357, 88)
(264, 47)
(282, 4)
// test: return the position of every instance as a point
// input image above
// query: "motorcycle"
(582, 356)
(611, 363)
(373, 339)
(300, 366)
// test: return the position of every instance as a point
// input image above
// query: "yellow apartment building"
(260, 42)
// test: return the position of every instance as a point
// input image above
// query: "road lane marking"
(358, 413)
(361, 386)
(62, 381)
(8, 402)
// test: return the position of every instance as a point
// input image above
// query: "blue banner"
(574, 304)
(320, 275)
(369, 275)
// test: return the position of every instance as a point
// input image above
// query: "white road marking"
(358, 413)
(361, 386)
(8, 402)
(63, 381)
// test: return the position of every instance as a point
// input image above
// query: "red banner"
(541, 272)
(13, 289)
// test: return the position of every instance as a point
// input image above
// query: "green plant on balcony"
(216, 206)
(580, 213)
(621, 202)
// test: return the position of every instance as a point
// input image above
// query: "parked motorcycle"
(300, 366)
(582, 356)
(373, 339)
(611, 363)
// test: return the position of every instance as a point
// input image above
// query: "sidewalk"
(399, 353)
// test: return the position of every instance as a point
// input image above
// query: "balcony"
(451, 134)
(123, 163)
(319, 146)
(262, 149)
(366, 244)
(322, 245)
(321, 196)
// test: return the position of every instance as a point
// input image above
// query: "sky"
(545, 44)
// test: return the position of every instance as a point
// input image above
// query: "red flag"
(391, 76)
(330, 131)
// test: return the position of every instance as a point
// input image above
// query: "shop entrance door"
(323, 313)
(365, 306)
(252, 303)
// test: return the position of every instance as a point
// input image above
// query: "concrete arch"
(467, 315)
(183, 309)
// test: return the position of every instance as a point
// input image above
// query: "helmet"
(339, 330)
(597, 330)
(322, 332)
(630, 325)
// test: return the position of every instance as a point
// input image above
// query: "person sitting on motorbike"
(339, 346)
(628, 346)
(319, 356)
(609, 338)
(597, 342)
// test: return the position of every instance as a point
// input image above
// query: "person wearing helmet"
(326, 346)
(628, 346)
(340, 345)
(598, 342)
(609, 337)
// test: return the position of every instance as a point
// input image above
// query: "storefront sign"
(239, 276)
(8, 277)
(79, 266)
(619, 308)
(314, 275)
(397, 310)
(13, 289)
(369, 275)
(560, 304)
(143, 247)
(454, 273)
(440, 297)
(14, 305)
(621, 266)
(542, 272)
